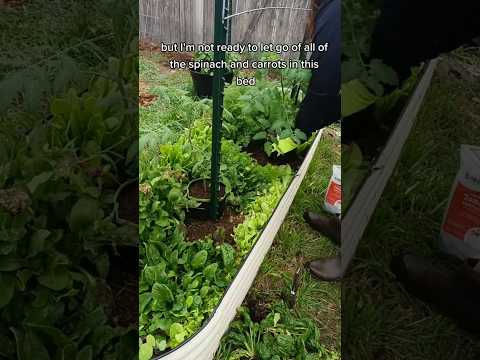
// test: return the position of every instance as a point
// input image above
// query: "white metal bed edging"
(358, 215)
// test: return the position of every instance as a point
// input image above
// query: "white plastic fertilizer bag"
(333, 196)
(460, 234)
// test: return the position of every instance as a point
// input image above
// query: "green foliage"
(297, 77)
(263, 74)
(355, 97)
(81, 30)
(358, 20)
(165, 119)
(270, 56)
(374, 75)
(190, 155)
(33, 83)
(386, 104)
(181, 282)
(146, 348)
(259, 212)
(67, 145)
(65, 152)
(263, 112)
(279, 336)
(364, 81)
(148, 71)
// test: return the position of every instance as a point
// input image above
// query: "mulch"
(146, 99)
(147, 45)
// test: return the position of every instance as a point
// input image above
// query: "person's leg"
(389, 34)
(322, 104)
(327, 269)
(409, 32)
(455, 292)
(327, 226)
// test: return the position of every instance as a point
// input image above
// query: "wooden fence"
(192, 21)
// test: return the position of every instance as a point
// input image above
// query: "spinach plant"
(59, 181)
(280, 336)
(67, 149)
(182, 282)
(264, 113)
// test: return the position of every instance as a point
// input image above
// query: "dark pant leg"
(410, 32)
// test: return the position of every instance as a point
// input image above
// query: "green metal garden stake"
(229, 11)
(220, 38)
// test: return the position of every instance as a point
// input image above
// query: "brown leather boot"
(455, 292)
(328, 226)
(327, 269)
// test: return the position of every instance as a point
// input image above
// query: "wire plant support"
(266, 8)
(222, 36)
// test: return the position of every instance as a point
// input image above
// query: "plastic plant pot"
(199, 190)
(128, 202)
(229, 77)
(203, 83)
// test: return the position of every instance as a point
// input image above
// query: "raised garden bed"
(195, 271)
(204, 343)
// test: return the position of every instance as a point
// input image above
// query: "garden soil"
(201, 190)
(199, 229)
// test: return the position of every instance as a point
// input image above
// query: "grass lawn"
(296, 244)
(154, 72)
(49, 29)
(380, 319)
(162, 88)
